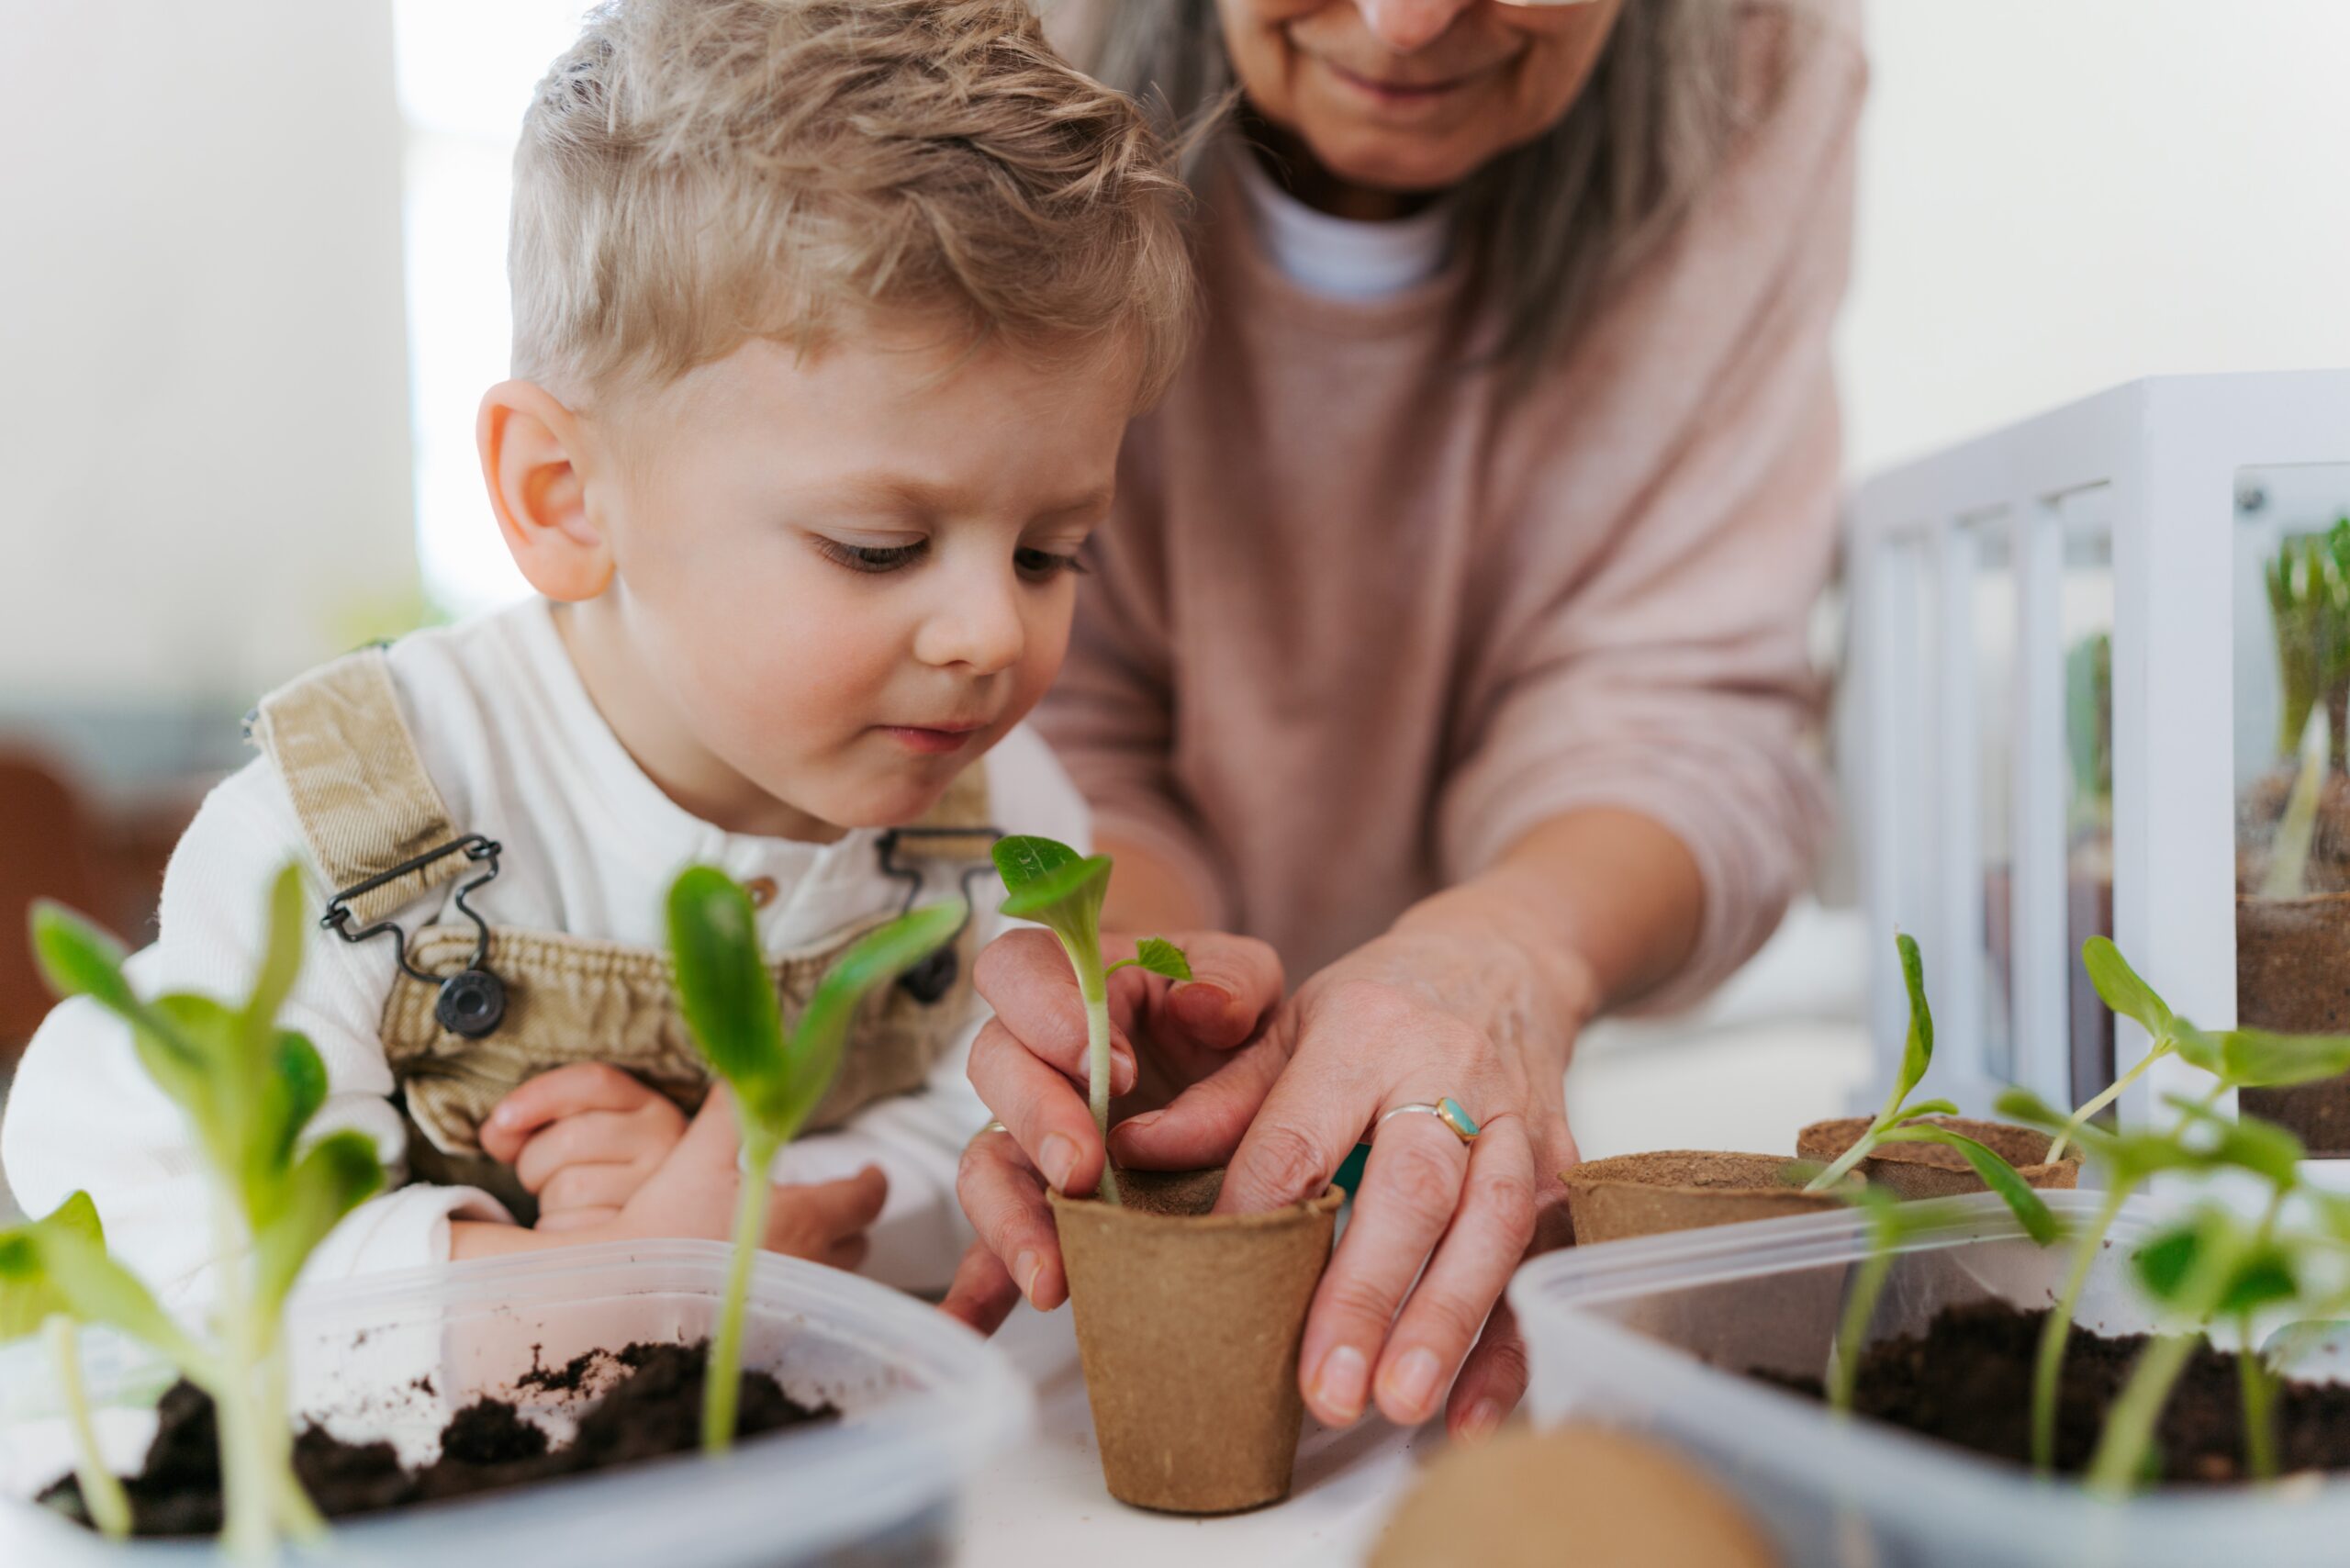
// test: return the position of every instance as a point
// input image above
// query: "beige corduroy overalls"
(476, 1009)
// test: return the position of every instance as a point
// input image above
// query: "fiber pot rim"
(1260, 1219)
(1940, 1157)
(1607, 1171)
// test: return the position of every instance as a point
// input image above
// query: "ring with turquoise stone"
(1448, 1111)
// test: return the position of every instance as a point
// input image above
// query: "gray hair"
(1548, 225)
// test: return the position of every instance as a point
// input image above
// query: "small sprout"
(1901, 1122)
(1891, 1224)
(30, 1304)
(731, 1010)
(248, 1089)
(1048, 882)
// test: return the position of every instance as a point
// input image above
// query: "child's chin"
(898, 803)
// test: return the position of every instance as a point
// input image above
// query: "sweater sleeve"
(1673, 678)
(917, 1139)
(83, 1113)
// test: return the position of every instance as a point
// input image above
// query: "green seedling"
(30, 1305)
(2212, 1266)
(1891, 1224)
(731, 1009)
(2308, 599)
(1901, 1122)
(248, 1089)
(2200, 1141)
(1048, 882)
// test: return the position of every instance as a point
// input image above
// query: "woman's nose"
(979, 627)
(1408, 25)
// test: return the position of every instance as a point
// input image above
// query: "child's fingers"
(982, 1294)
(592, 1138)
(565, 1091)
(589, 1187)
(809, 1219)
(847, 1253)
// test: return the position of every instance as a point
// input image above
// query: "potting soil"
(654, 1409)
(1968, 1381)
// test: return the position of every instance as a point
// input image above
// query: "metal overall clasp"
(932, 979)
(471, 1002)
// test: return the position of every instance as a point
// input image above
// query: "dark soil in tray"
(654, 1409)
(1969, 1382)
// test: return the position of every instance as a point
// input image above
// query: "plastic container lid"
(393, 1356)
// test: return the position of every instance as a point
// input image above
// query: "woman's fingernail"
(1479, 1424)
(1338, 1385)
(1026, 1267)
(1201, 1001)
(1056, 1158)
(1410, 1383)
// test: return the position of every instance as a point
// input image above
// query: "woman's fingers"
(1025, 977)
(1044, 1113)
(1487, 1239)
(1410, 1190)
(1492, 1382)
(551, 1096)
(982, 1294)
(1205, 1124)
(1308, 1123)
(1004, 1200)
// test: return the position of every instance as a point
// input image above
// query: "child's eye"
(870, 558)
(1043, 565)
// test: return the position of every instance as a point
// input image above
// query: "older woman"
(1448, 647)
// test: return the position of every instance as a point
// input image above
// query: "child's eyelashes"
(873, 560)
(1043, 566)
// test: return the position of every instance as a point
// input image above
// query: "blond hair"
(696, 173)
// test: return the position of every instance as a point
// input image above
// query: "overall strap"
(358, 785)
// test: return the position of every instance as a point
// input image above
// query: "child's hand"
(582, 1139)
(693, 1194)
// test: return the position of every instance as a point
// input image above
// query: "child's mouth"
(930, 742)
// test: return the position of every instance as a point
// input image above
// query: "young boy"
(829, 315)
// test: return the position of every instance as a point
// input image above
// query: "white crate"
(2151, 472)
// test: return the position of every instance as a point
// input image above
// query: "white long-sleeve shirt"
(591, 844)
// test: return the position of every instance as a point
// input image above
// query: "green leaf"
(1159, 956)
(2246, 1143)
(1929, 1108)
(2122, 989)
(96, 1289)
(79, 958)
(27, 1300)
(339, 1173)
(1997, 1175)
(874, 959)
(291, 1093)
(723, 986)
(281, 961)
(2164, 1264)
(2265, 1278)
(1917, 1051)
(2197, 1048)
(1048, 882)
(2255, 1058)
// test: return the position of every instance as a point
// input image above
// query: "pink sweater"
(1362, 621)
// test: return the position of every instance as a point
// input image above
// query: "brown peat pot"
(1680, 1189)
(1187, 1324)
(1936, 1171)
(1580, 1495)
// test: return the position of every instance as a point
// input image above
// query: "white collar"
(1343, 258)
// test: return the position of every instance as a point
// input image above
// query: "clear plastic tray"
(1652, 1335)
(924, 1399)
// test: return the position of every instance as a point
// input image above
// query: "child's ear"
(531, 452)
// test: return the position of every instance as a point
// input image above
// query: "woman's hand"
(1201, 1048)
(1437, 1009)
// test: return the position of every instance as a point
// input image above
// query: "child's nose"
(979, 626)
